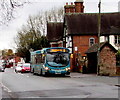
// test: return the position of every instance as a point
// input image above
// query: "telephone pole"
(99, 31)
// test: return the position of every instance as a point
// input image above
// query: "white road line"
(6, 88)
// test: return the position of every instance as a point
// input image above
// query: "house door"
(92, 63)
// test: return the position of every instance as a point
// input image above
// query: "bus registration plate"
(57, 72)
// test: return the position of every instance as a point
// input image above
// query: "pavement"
(78, 75)
(111, 80)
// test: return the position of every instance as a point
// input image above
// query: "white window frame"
(90, 41)
(117, 39)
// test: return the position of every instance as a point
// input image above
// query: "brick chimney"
(79, 8)
(67, 9)
(72, 8)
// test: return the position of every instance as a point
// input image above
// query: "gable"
(54, 31)
(94, 48)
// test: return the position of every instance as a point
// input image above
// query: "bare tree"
(36, 27)
(33, 34)
(8, 8)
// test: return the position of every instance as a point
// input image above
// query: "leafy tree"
(9, 52)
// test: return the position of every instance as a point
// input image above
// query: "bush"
(118, 58)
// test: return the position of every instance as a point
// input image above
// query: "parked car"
(18, 68)
(2, 69)
(25, 67)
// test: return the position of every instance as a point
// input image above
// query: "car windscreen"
(57, 59)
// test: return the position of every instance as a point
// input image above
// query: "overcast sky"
(7, 33)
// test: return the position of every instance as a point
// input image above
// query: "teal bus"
(54, 60)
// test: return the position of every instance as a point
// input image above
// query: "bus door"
(39, 62)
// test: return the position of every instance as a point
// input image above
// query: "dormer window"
(117, 39)
(91, 41)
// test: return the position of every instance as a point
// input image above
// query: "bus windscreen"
(57, 59)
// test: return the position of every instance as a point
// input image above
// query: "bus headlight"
(67, 69)
(46, 68)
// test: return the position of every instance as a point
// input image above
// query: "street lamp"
(99, 31)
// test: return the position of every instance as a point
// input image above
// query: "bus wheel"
(33, 72)
(41, 73)
(46, 74)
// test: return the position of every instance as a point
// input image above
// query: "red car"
(25, 68)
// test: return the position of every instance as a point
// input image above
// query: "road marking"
(6, 88)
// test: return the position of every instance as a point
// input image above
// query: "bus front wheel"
(41, 73)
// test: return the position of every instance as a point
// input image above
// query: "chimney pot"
(71, 3)
(66, 3)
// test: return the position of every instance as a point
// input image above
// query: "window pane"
(92, 41)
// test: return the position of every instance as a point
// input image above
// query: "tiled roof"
(94, 48)
(87, 23)
(54, 31)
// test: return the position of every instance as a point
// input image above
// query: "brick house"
(107, 59)
(81, 31)
(86, 25)
(55, 34)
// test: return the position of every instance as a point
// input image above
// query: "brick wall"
(107, 62)
(118, 70)
(82, 43)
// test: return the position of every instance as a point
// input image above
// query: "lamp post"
(99, 31)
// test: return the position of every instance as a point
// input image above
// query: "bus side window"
(38, 59)
(41, 58)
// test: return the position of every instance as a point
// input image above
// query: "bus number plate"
(57, 72)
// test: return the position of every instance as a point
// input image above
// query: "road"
(27, 85)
